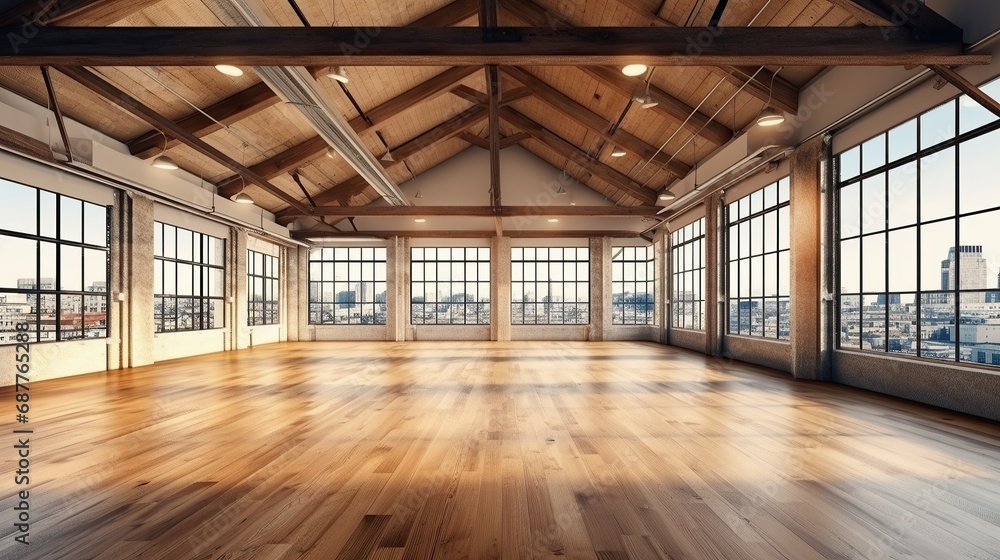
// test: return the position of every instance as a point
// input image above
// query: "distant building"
(971, 273)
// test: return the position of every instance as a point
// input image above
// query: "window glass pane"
(20, 261)
(95, 223)
(903, 140)
(873, 204)
(873, 153)
(95, 273)
(70, 317)
(47, 214)
(937, 185)
(937, 242)
(873, 273)
(850, 210)
(903, 260)
(19, 211)
(71, 271)
(937, 125)
(70, 219)
(850, 163)
(902, 195)
(980, 182)
(937, 323)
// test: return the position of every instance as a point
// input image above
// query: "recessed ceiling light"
(164, 162)
(229, 70)
(634, 69)
(553, 220)
(770, 117)
(331, 153)
(618, 151)
(420, 220)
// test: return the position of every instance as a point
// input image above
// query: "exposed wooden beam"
(455, 46)
(594, 122)
(669, 106)
(579, 157)
(462, 234)
(505, 141)
(91, 13)
(54, 104)
(488, 14)
(785, 95)
(200, 124)
(132, 105)
(968, 88)
(482, 211)
(513, 139)
(26, 145)
(278, 164)
(493, 132)
(514, 95)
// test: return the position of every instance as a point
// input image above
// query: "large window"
(54, 277)
(188, 279)
(758, 226)
(262, 289)
(919, 248)
(688, 254)
(632, 286)
(550, 286)
(450, 286)
(347, 286)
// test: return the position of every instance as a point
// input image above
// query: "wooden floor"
(606, 451)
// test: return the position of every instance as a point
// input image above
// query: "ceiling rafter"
(785, 95)
(258, 97)
(566, 149)
(594, 122)
(132, 105)
(911, 14)
(456, 46)
(92, 13)
(297, 155)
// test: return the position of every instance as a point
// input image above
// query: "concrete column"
(289, 286)
(716, 313)
(806, 260)
(132, 325)
(500, 289)
(236, 295)
(397, 265)
(301, 262)
(600, 293)
(660, 288)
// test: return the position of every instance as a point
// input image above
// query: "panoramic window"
(347, 286)
(188, 279)
(262, 289)
(919, 251)
(450, 286)
(550, 286)
(632, 286)
(759, 282)
(55, 279)
(688, 254)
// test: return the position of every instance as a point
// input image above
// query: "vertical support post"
(807, 283)
(500, 289)
(716, 313)
(600, 295)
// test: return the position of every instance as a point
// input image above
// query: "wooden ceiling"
(236, 133)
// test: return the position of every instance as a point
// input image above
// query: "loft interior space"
(483, 279)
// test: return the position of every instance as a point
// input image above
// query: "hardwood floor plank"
(479, 450)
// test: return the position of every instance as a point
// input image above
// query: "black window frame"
(953, 296)
(735, 217)
(265, 310)
(523, 257)
(689, 239)
(482, 314)
(203, 315)
(59, 295)
(363, 261)
(648, 262)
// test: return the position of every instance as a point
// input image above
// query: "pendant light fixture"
(162, 161)
(768, 115)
